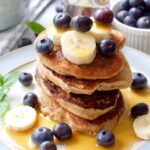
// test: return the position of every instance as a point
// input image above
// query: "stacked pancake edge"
(87, 97)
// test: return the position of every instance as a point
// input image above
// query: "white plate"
(138, 60)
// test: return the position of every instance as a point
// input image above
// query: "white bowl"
(135, 37)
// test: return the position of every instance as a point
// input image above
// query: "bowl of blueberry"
(132, 18)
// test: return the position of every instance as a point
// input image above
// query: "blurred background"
(14, 14)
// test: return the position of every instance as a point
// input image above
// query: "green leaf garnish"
(1, 79)
(10, 78)
(4, 106)
(6, 82)
(3, 94)
(35, 27)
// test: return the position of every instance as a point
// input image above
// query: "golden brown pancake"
(51, 108)
(100, 68)
(82, 86)
(85, 106)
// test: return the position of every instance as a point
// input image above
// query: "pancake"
(85, 106)
(100, 68)
(107, 121)
(82, 86)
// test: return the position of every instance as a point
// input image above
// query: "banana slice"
(100, 31)
(55, 34)
(141, 126)
(20, 118)
(79, 48)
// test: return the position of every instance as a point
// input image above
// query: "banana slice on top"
(55, 34)
(100, 31)
(79, 48)
(20, 118)
(141, 126)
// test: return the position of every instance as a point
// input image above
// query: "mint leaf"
(1, 79)
(10, 78)
(4, 106)
(5, 82)
(2, 96)
(3, 93)
(35, 27)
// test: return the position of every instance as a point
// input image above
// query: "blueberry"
(48, 145)
(62, 20)
(143, 22)
(107, 47)
(143, 7)
(25, 78)
(121, 15)
(135, 12)
(41, 134)
(135, 3)
(30, 99)
(23, 42)
(81, 23)
(62, 131)
(59, 7)
(44, 46)
(105, 138)
(139, 81)
(130, 21)
(147, 3)
(104, 16)
(139, 109)
(124, 5)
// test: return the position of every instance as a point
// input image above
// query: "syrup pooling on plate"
(123, 131)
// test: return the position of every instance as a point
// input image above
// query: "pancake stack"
(87, 97)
